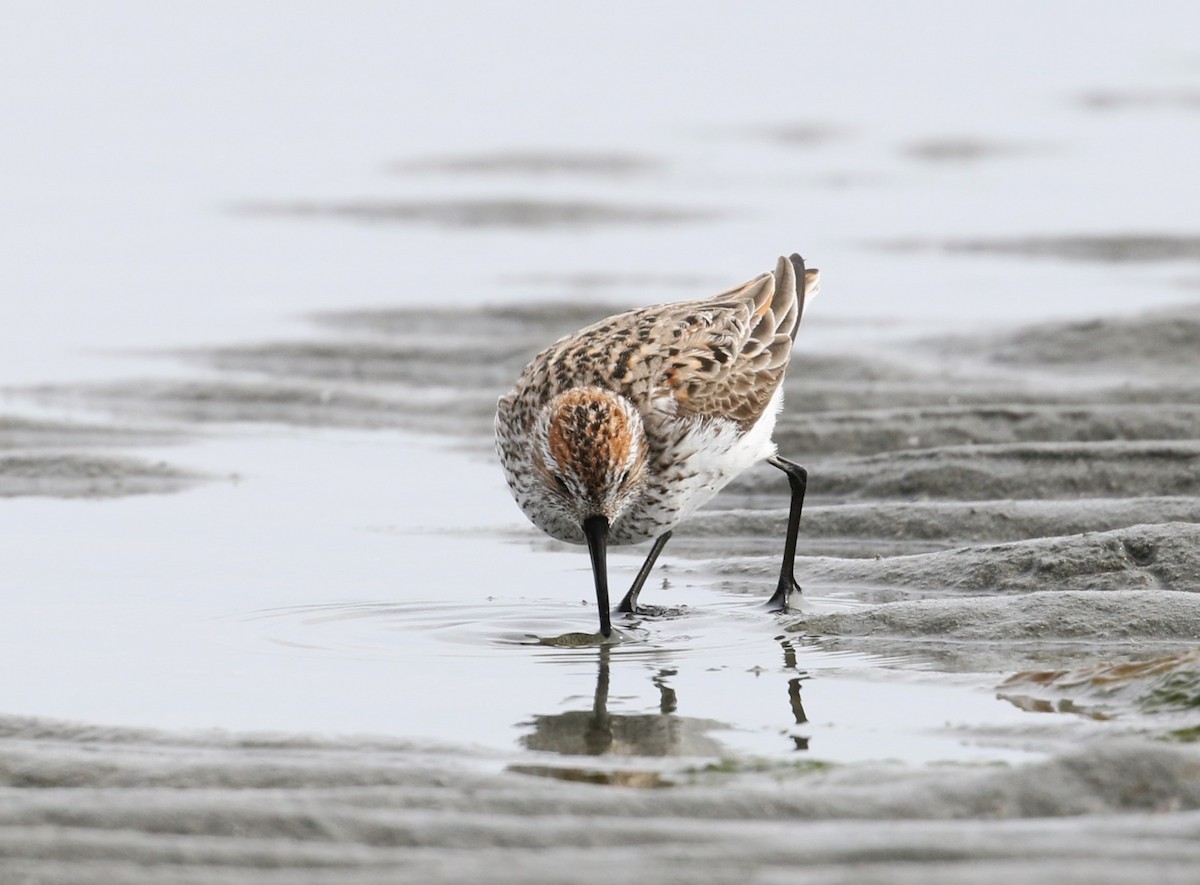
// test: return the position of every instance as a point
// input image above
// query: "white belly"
(704, 457)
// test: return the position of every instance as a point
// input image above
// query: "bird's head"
(591, 453)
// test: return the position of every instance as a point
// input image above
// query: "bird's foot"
(780, 600)
(649, 611)
(629, 605)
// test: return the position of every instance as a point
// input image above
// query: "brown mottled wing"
(731, 365)
(720, 356)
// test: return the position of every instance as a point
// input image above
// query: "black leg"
(629, 603)
(798, 480)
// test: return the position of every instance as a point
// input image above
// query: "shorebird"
(615, 434)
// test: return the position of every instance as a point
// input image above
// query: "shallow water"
(251, 603)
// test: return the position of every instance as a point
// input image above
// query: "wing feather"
(731, 366)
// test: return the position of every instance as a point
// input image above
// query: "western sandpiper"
(615, 434)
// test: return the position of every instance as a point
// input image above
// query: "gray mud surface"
(535, 163)
(74, 475)
(516, 213)
(1165, 556)
(106, 805)
(59, 459)
(978, 513)
(28, 433)
(1111, 248)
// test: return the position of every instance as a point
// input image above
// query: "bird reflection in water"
(597, 732)
(789, 663)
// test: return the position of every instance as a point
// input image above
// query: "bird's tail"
(778, 302)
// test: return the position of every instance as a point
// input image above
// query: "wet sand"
(517, 213)
(994, 520)
(106, 804)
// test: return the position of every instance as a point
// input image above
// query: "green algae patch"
(785, 768)
(627, 778)
(1176, 690)
(1166, 684)
(1184, 735)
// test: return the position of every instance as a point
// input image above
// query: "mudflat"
(1006, 528)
